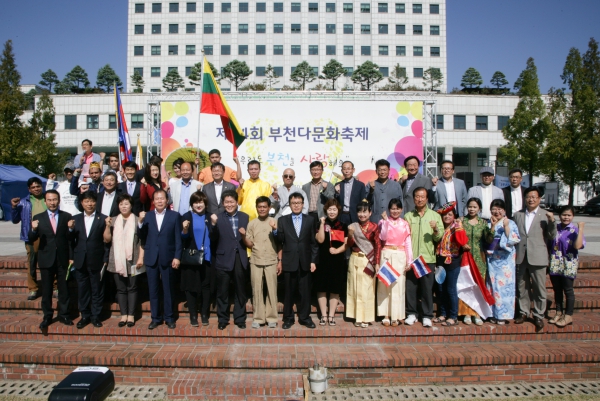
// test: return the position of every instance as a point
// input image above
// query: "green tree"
(30, 99)
(77, 77)
(49, 78)
(173, 81)
(591, 66)
(433, 78)
(138, 82)
(332, 71)
(471, 79)
(107, 78)
(270, 77)
(236, 72)
(499, 80)
(303, 74)
(367, 74)
(195, 77)
(397, 79)
(63, 87)
(254, 86)
(528, 128)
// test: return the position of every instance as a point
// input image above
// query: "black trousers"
(563, 284)
(90, 291)
(49, 276)
(301, 281)
(127, 293)
(422, 287)
(202, 296)
(237, 276)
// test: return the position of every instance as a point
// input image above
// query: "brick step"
(586, 326)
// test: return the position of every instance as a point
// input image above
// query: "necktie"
(297, 225)
(130, 188)
(53, 222)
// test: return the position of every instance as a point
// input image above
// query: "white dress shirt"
(450, 193)
(107, 202)
(88, 220)
(218, 191)
(516, 199)
(160, 217)
(486, 199)
(529, 216)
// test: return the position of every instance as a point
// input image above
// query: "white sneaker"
(410, 320)
(255, 325)
(426, 322)
(272, 325)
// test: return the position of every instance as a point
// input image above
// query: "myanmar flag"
(213, 102)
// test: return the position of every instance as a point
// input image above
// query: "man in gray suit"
(486, 192)
(318, 191)
(215, 188)
(450, 189)
(412, 181)
(536, 227)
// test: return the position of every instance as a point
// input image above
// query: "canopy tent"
(13, 184)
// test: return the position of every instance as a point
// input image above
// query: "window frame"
(173, 50)
(259, 48)
(190, 28)
(173, 29)
(328, 7)
(296, 48)
(138, 122)
(224, 28)
(328, 29)
(173, 6)
(241, 49)
(226, 47)
(481, 123)
(261, 28)
(278, 28)
(70, 121)
(365, 50)
(401, 51)
(243, 7)
(311, 28)
(138, 50)
(190, 50)
(384, 50)
(400, 8)
(137, 8)
(261, 7)
(112, 121)
(348, 7)
(208, 7)
(313, 50)
(459, 122)
(277, 50)
(92, 121)
(383, 27)
(225, 7)
(400, 29)
(296, 28)
(155, 50)
(328, 48)
(348, 50)
(191, 7)
(242, 28)
(154, 72)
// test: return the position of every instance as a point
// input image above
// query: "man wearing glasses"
(450, 189)
(281, 195)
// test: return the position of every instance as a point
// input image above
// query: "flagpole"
(118, 123)
(199, 112)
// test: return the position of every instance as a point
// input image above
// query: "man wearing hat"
(486, 192)
(68, 202)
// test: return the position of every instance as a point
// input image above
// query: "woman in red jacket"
(150, 183)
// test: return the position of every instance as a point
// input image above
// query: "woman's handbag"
(192, 257)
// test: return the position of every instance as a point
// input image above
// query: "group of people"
(210, 232)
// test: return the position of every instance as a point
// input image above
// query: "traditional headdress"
(446, 208)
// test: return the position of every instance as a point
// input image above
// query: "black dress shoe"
(171, 325)
(130, 324)
(83, 322)
(96, 323)
(520, 319)
(241, 325)
(287, 325)
(309, 324)
(45, 323)
(154, 325)
(204, 320)
(122, 323)
(539, 323)
(194, 321)
(66, 321)
(222, 326)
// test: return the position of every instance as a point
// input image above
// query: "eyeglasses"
(288, 176)
(296, 203)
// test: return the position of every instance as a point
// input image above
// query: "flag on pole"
(139, 155)
(213, 102)
(124, 143)
(387, 274)
(420, 267)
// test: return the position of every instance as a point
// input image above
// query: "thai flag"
(124, 143)
(420, 267)
(387, 274)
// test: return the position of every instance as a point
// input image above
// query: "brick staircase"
(265, 364)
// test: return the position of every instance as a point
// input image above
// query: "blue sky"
(489, 35)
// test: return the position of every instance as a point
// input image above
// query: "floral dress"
(564, 257)
(501, 261)
(479, 236)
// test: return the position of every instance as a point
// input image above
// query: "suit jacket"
(535, 243)
(460, 191)
(359, 192)
(175, 192)
(475, 192)
(214, 205)
(114, 208)
(324, 196)
(164, 245)
(137, 204)
(90, 249)
(407, 195)
(298, 251)
(53, 247)
(508, 200)
(228, 244)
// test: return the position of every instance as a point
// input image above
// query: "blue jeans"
(449, 294)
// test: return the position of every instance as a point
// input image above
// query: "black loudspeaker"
(91, 383)
(467, 177)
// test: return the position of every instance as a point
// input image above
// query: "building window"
(434, 30)
(155, 50)
(502, 122)
(460, 159)
(139, 70)
(169, 69)
(295, 28)
(400, 29)
(156, 7)
(225, 7)
(383, 51)
(348, 29)
(434, 9)
(225, 50)
(278, 71)
(261, 28)
(208, 28)
(349, 71)
(435, 52)
(112, 121)
(330, 50)
(481, 123)
(382, 7)
(173, 7)
(243, 7)
(330, 28)
(173, 50)
(188, 71)
(277, 50)
(400, 50)
(243, 50)
(209, 7)
(208, 50)
(155, 72)
(348, 50)
(243, 28)
(155, 90)
(278, 7)
(417, 8)
(365, 50)
(348, 7)
(173, 28)
(225, 28)
(482, 159)
(139, 8)
(190, 28)
(277, 28)
(313, 49)
(261, 50)
(137, 121)
(329, 7)
(138, 50)
(70, 122)
(313, 7)
(190, 50)
(296, 50)
(417, 72)
(365, 7)
(385, 71)
(260, 71)
(383, 29)
(418, 51)
(365, 29)
(400, 8)
(460, 122)
(261, 7)
(417, 29)
(439, 121)
(92, 121)
(296, 7)
(190, 89)
(190, 7)
(138, 29)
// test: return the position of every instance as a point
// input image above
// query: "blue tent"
(13, 184)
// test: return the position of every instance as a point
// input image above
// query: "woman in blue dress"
(501, 256)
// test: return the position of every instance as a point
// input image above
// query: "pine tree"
(236, 72)
(270, 77)
(49, 78)
(303, 74)
(107, 78)
(195, 78)
(45, 159)
(77, 77)
(397, 78)
(173, 81)
(137, 81)
(332, 71)
(367, 74)
(471, 79)
(499, 80)
(433, 78)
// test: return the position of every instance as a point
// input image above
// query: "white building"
(163, 35)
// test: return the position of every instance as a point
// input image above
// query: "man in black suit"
(514, 194)
(51, 227)
(107, 200)
(214, 189)
(296, 232)
(231, 260)
(350, 192)
(415, 180)
(131, 187)
(90, 254)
